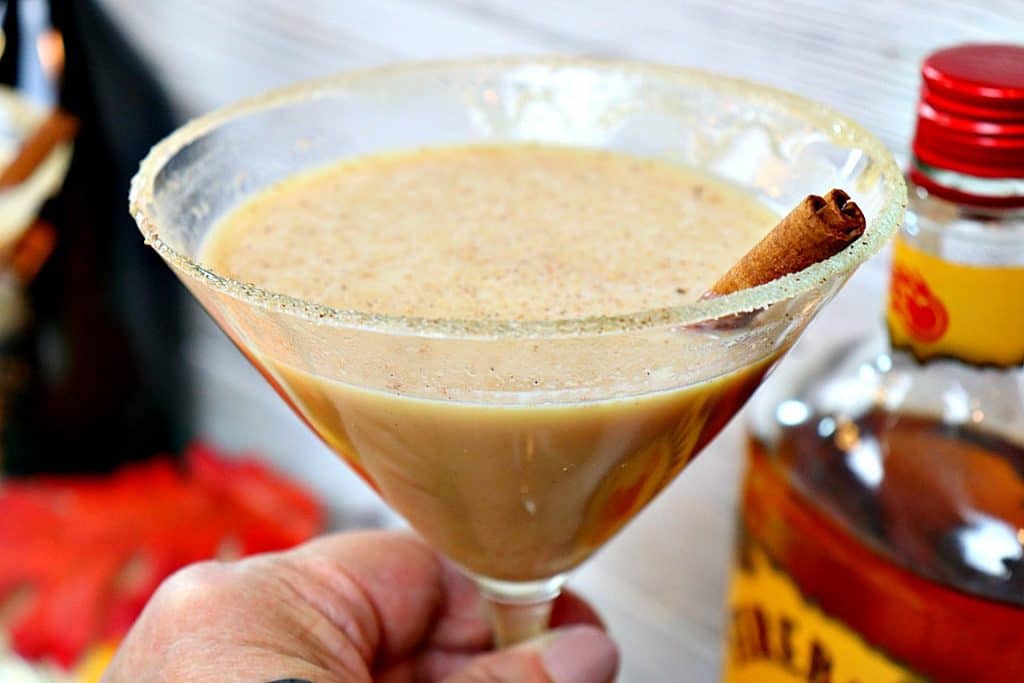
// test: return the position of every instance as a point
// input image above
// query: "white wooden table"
(661, 584)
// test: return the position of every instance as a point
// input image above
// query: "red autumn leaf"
(82, 555)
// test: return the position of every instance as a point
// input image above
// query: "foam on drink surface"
(514, 232)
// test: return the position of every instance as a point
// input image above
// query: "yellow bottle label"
(939, 308)
(776, 636)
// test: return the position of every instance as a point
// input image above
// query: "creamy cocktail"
(511, 491)
(516, 366)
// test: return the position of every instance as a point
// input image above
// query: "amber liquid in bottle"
(910, 561)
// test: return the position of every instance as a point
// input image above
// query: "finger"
(405, 597)
(571, 609)
(432, 666)
(440, 659)
(461, 623)
(577, 654)
(387, 591)
(428, 667)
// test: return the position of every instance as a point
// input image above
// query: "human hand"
(368, 606)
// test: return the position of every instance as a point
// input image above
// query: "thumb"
(577, 654)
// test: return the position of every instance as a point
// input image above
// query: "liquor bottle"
(881, 530)
(101, 323)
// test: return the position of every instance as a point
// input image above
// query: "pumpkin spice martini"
(509, 340)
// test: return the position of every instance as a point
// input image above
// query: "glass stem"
(514, 622)
(519, 611)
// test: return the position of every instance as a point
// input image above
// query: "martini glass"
(516, 448)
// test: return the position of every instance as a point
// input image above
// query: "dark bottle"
(101, 348)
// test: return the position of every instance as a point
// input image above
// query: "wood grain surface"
(660, 584)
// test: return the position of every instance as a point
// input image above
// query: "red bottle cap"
(971, 115)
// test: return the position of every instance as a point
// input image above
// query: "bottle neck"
(973, 193)
(957, 282)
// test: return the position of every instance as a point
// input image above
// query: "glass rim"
(836, 126)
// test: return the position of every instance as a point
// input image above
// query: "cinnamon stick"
(818, 228)
(58, 127)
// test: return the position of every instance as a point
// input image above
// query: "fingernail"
(579, 654)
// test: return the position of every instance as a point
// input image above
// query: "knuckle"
(192, 585)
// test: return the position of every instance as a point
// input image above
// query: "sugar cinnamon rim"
(886, 181)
